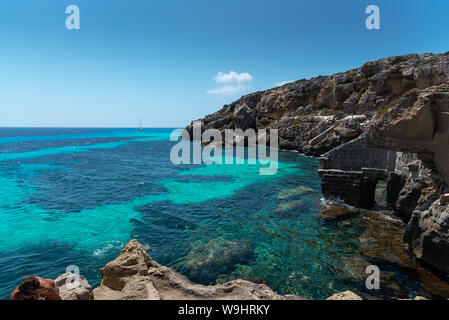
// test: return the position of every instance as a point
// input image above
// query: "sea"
(71, 198)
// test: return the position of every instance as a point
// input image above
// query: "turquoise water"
(76, 196)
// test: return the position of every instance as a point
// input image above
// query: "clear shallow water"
(76, 196)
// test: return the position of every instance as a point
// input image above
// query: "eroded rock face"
(427, 235)
(337, 108)
(419, 124)
(135, 276)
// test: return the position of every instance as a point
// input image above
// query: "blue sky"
(159, 60)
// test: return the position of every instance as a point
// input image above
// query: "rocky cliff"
(399, 104)
(314, 116)
(418, 126)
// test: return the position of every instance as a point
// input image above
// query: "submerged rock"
(382, 239)
(335, 212)
(355, 270)
(299, 191)
(289, 205)
(206, 261)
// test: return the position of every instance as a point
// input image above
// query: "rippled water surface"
(76, 196)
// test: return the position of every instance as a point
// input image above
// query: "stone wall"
(355, 155)
(353, 187)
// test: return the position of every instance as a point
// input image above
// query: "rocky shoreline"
(387, 120)
(133, 275)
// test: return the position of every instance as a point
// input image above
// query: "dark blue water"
(76, 196)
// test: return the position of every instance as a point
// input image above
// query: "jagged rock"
(409, 197)
(346, 295)
(135, 276)
(73, 287)
(395, 183)
(427, 235)
(419, 123)
(244, 118)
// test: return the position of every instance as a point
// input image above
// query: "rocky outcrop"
(73, 287)
(419, 124)
(314, 116)
(427, 234)
(135, 276)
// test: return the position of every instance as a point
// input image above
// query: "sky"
(172, 61)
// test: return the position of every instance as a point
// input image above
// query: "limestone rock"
(135, 276)
(418, 123)
(346, 295)
(73, 287)
(427, 235)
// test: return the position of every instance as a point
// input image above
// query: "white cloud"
(231, 83)
(233, 77)
(278, 84)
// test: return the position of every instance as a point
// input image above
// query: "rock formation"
(314, 116)
(73, 287)
(419, 126)
(135, 276)
(398, 104)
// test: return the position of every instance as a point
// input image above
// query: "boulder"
(73, 287)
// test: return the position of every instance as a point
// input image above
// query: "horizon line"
(81, 127)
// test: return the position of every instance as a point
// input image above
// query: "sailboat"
(140, 124)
